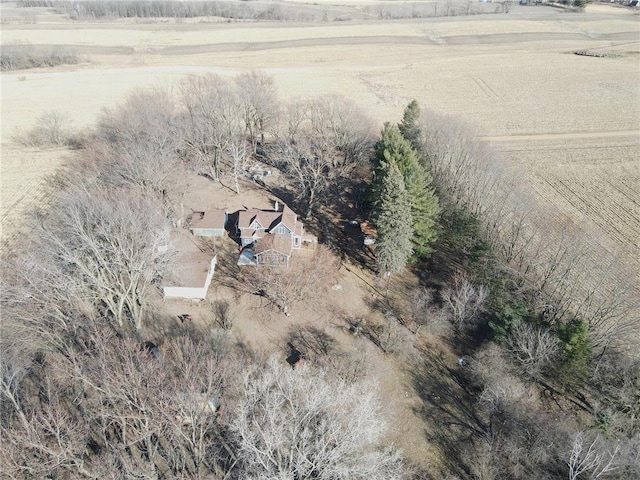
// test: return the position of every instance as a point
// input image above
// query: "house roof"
(211, 219)
(267, 218)
(188, 269)
(278, 243)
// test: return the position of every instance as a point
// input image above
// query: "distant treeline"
(21, 56)
(145, 9)
(247, 10)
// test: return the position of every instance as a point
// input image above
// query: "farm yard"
(569, 123)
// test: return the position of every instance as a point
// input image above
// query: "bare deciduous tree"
(141, 146)
(53, 128)
(145, 117)
(50, 442)
(427, 314)
(305, 424)
(465, 301)
(105, 243)
(339, 123)
(500, 387)
(307, 168)
(534, 348)
(259, 103)
(213, 118)
(239, 154)
(220, 309)
(590, 457)
(325, 141)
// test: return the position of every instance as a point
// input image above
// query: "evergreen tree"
(394, 148)
(577, 351)
(393, 221)
(409, 124)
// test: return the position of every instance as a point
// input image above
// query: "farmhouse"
(189, 275)
(254, 224)
(268, 237)
(210, 223)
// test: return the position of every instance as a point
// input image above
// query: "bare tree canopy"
(259, 103)
(326, 139)
(105, 243)
(304, 423)
(213, 118)
(141, 147)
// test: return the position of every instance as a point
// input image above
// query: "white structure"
(189, 275)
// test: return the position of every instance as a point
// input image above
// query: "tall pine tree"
(394, 148)
(409, 126)
(393, 221)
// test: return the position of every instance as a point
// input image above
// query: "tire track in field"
(484, 86)
(564, 136)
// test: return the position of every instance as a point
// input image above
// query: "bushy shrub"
(23, 56)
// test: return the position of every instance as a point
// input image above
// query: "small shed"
(189, 275)
(210, 223)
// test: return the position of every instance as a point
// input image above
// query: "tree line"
(560, 314)
(179, 10)
(24, 56)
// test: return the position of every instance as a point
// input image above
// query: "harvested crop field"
(572, 121)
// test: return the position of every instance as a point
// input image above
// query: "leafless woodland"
(85, 395)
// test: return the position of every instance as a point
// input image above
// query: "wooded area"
(548, 382)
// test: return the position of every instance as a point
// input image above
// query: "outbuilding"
(210, 223)
(189, 275)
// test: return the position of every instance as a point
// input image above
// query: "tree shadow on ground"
(335, 220)
(165, 326)
(311, 340)
(448, 409)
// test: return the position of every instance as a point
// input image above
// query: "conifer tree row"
(392, 216)
(394, 148)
